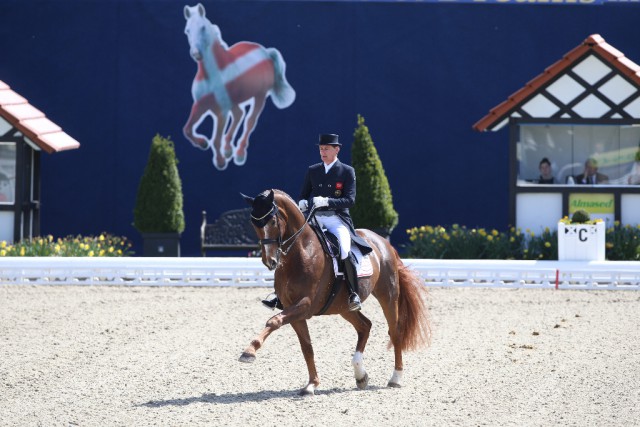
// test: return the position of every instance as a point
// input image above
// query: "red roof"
(33, 123)
(594, 43)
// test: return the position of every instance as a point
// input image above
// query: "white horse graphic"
(231, 85)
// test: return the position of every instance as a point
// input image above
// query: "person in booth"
(591, 175)
(330, 188)
(546, 176)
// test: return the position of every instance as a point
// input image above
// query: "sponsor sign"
(599, 205)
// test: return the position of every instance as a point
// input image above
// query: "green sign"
(599, 205)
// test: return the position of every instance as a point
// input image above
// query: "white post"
(581, 242)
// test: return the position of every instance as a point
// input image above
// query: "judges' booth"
(574, 138)
(24, 133)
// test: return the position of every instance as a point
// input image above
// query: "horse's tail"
(414, 324)
(282, 93)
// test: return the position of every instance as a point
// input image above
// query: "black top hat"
(329, 139)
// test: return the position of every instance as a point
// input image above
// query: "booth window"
(7, 172)
(612, 148)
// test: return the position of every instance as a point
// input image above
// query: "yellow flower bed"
(71, 246)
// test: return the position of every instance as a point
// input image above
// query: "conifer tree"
(159, 204)
(374, 204)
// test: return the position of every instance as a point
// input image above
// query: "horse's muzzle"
(270, 263)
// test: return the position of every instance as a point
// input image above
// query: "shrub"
(458, 242)
(159, 201)
(580, 217)
(542, 247)
(374, 204)
(623, 242)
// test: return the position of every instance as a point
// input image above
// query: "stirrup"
(354, 302)
(272, 302)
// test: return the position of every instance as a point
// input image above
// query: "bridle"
(262, 222)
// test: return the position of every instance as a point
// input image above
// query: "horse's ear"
(270, 196)
(247, 199)
(201, 10)
(187, 12)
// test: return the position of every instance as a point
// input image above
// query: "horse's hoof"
(247, 358)
(220, 163)
(307, 391)
(239, 160)
(201, 144)
(393, 385)
(363, 382)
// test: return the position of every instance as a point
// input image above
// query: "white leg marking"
(309, 390)
(396, 378)
(358, 365)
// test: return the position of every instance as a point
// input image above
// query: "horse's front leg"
(198, 109)
(290, 314)
(249, 353)
(302, 330)
(219, 159)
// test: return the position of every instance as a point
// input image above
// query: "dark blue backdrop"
(115, 73)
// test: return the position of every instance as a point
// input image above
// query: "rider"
(330, 187)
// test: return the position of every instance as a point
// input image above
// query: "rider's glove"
(320, 202)
(303, 205)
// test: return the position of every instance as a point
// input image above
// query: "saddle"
(331, 246)
(329, 241)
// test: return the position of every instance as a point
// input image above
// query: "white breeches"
(335, 225)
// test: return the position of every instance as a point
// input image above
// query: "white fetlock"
(358, 366)
(396, 379)
(309, 390)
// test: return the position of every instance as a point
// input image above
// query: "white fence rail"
(530, 274)
(137, 271)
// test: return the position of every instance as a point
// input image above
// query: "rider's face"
(328, 153)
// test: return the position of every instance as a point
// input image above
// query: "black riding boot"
(273, 302)
(352, 280)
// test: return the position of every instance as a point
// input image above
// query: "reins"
(295, 235)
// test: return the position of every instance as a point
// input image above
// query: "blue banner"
(523, 2)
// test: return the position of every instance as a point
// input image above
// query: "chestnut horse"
(303, 280)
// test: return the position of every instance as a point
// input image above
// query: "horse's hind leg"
(240, 156)
(302, 331)
(363, 327)
(396, 378)
(390, 310)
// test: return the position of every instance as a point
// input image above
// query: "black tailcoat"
(339, 186)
